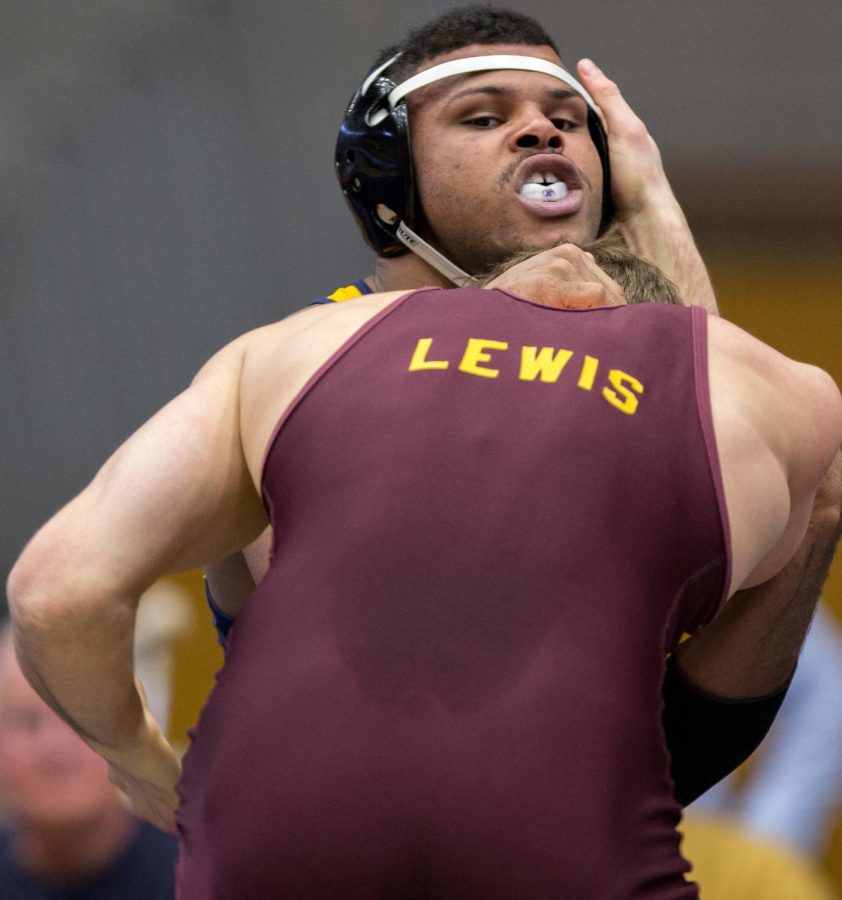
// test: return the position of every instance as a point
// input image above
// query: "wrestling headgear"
(374, 161)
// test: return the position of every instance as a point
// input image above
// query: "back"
(453, 666)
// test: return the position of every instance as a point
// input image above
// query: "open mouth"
(549, 184)
(544, 187)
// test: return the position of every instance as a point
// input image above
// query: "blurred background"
(166, 183)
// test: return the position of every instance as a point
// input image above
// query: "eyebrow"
(554, 94)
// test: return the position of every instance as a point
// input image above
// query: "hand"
(147, 775)
(647, 214)
(637, 173)
(564, 277)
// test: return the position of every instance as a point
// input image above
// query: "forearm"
(75, 646)
(725, 685)
(76, 650)
(660, 233)
(708, 737)
(229, 582)
(83, 670)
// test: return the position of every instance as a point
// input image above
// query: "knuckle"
(638, 132)
(610, 88)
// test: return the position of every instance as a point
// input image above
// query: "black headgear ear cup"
(600, 139)
(374, 166)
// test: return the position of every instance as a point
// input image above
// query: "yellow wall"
(197, 659)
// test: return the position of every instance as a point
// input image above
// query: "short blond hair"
(641, 280)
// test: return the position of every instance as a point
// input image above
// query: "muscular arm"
(750, 651)
(753, 647)
(174, 495)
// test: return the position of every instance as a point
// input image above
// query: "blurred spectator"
(65, 832)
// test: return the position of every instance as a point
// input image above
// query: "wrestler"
(448, 682)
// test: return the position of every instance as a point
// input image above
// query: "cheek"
(454, 186)
(446, 162)
(34, 785)
(21, 781)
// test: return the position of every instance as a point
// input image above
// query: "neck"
(403, 273)
(71, 852)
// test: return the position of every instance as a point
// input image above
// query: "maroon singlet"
(492, 522)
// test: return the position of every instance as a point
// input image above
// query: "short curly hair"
(462, 27)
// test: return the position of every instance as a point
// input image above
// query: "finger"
(126, 801)
(614, 293)
(572, 295)
(606, 95)
(141, 690)
(599, 86)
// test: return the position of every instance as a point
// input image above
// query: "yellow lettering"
(628, 403)
(588, 374)
(545, 363)
(419, 357)
(475, 354)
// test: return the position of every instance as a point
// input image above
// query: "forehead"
(526, 81)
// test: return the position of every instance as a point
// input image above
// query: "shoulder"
(795, 405)
(314, 325)
(763, 365)
(277, 361)
(303, 331)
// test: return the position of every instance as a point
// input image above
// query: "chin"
(68, 815)
(75, 805)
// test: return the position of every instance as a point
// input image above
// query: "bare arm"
(176, 494)
(231, 580)
(725, 685)
(648, 215)
(752, 649)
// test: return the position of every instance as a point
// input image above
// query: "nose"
(537, 130)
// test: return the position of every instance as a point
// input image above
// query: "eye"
(566, 124)
(483, 122)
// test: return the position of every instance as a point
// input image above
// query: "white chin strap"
(437, 260)
(447, 70)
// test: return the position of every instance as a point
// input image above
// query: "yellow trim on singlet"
(340, 295)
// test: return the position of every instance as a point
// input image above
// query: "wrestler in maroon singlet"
(448, 684)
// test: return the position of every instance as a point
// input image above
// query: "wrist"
(659, 232)
(131, 728)
(655, 226)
